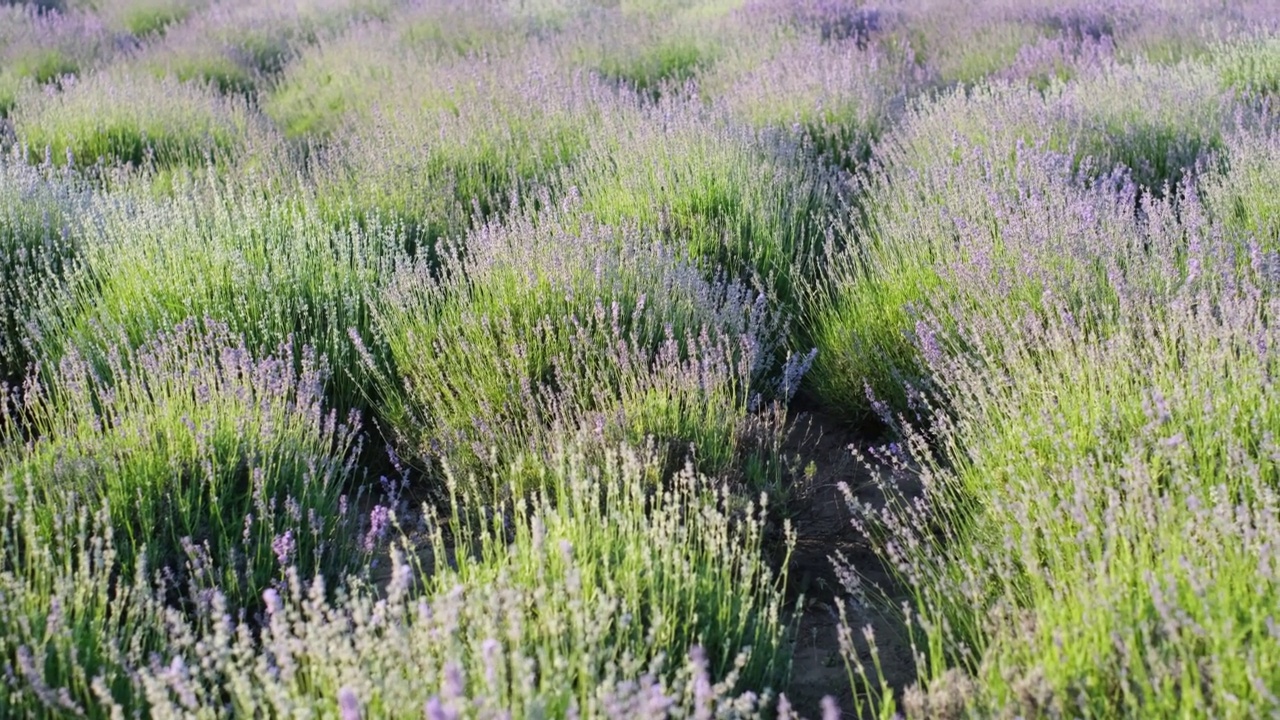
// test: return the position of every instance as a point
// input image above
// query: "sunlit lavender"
(653, 359)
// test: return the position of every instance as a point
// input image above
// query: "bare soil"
(820, 517)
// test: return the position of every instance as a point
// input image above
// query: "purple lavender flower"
(349, 705)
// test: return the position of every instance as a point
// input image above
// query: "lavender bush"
(605, 602)
(241, 41)
(204, 454)
(460, 27)
(1074, 577)
(839, 96)
(1240, 196)
(135, 119)
(40, 237)
(333, 78)
(961, 231)
(1250, 65)
(476, 134)
(143, 17)
(647, 52)
(266, 264)
(733, 198)
(566, 326)
(193, 52)
(38, 48)
(74, 627)
(959, 169)
(836, 21)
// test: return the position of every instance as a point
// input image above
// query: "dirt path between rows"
(821, 519)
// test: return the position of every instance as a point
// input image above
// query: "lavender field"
(457, 359)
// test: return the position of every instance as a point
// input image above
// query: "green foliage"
(733, 199)
(1157, 121)
(436, 162)
(40, 239)
(1241, 195)
(586, 600)
(672, 61)
(564, 327)
(39, 48)
(335, 80)
(205, 455)
(266, 265)
(1100, 592)
(457, 28)
(185, 58)
(138, 120)
(1249, 66)
(142, 18)
(74, 627)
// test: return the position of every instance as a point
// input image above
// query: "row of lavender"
(251, 255)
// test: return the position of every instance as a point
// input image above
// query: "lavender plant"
(596, 600)
(1250, 65)
(38, 48)
(836, 21)
(338, 77)
(1240, 195)
(40, 238)
(72, 627)
(208, 457)
(135, 119)
(645, 52)
(958, 231)
(266, 264)
(1157, 121)
(557, 326)
(840, 97)
(1170, 33)
(1106, 554)
(457, 28)
(731, 198)
(958, 167)
(1058, 60)
(190, 53)
(143, 17)
(478, 134)
(263, 37)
